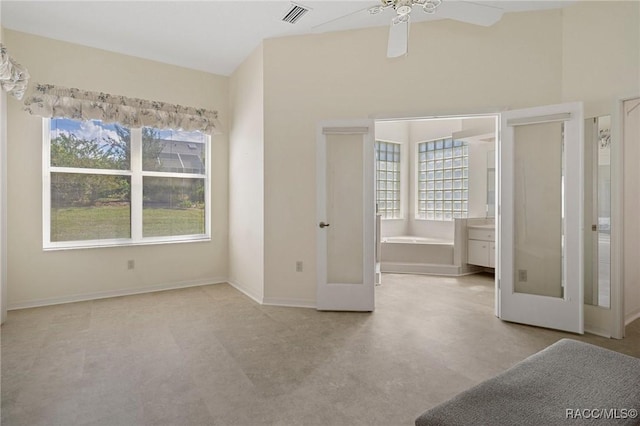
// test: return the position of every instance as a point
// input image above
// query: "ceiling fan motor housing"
(403, 7)
(403, 10)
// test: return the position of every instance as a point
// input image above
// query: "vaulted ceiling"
(216, 36)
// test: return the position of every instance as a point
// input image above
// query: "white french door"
(540, 221)
(345, 216)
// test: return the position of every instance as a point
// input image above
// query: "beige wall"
(601, 53)
(35, 276)
(451, 67)
(246, 177)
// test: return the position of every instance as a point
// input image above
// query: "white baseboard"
(242, 289)
(629, 318)
(112, 293)
(290, 303)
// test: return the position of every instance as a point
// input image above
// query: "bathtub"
(410, 254)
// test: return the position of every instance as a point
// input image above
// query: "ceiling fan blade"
(398, 44)
(470, 12)
(360, 16)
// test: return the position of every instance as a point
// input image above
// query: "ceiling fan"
(460, 10)
(398, 43)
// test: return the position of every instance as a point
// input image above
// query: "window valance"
(48, 100)
(13, 76)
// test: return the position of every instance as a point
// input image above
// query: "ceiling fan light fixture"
(399, 31)
(430, 6)
(401, 19)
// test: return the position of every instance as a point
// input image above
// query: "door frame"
(618, 320)
(610, 322)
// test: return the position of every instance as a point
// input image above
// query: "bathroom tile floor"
(211, 356)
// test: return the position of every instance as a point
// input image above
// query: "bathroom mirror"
(597, 211)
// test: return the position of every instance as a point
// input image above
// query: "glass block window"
(443, 179)
(388, 179)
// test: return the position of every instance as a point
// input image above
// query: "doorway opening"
(436, 195)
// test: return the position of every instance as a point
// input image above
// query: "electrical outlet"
(522, 275)
(299, 266)
(131, 264)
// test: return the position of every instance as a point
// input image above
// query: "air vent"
(294, 14)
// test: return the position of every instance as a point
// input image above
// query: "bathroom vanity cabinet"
(481, 246)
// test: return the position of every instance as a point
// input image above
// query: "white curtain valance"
(13, 76)
(48, 100)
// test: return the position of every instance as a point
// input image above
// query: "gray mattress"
(568, 375)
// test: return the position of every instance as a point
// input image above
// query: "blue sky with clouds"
(97, 130)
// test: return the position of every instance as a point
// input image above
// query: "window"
(388, 179)
(443, 179)
(106, 184)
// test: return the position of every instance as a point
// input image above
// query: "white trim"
(136, 174)
(242, 289)
(46, 182)
(442, 115)
(114, 293)
(149, 241)
(616, 283)
(3, 206)
(289, 303)
(207, 187)
(550, 118)
(136, 201)
(617, 218)
(80, 170)
(146, 173)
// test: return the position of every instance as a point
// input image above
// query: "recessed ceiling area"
(216, 36)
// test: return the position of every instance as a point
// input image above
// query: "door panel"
(345, 190)
(538, 209)
(345, 216)
(540, 217)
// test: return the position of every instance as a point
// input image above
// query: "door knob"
(322, 224)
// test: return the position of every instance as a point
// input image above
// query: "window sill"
(122, 243)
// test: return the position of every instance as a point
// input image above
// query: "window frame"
(136, 174)
(400, 178)
(417, 212)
